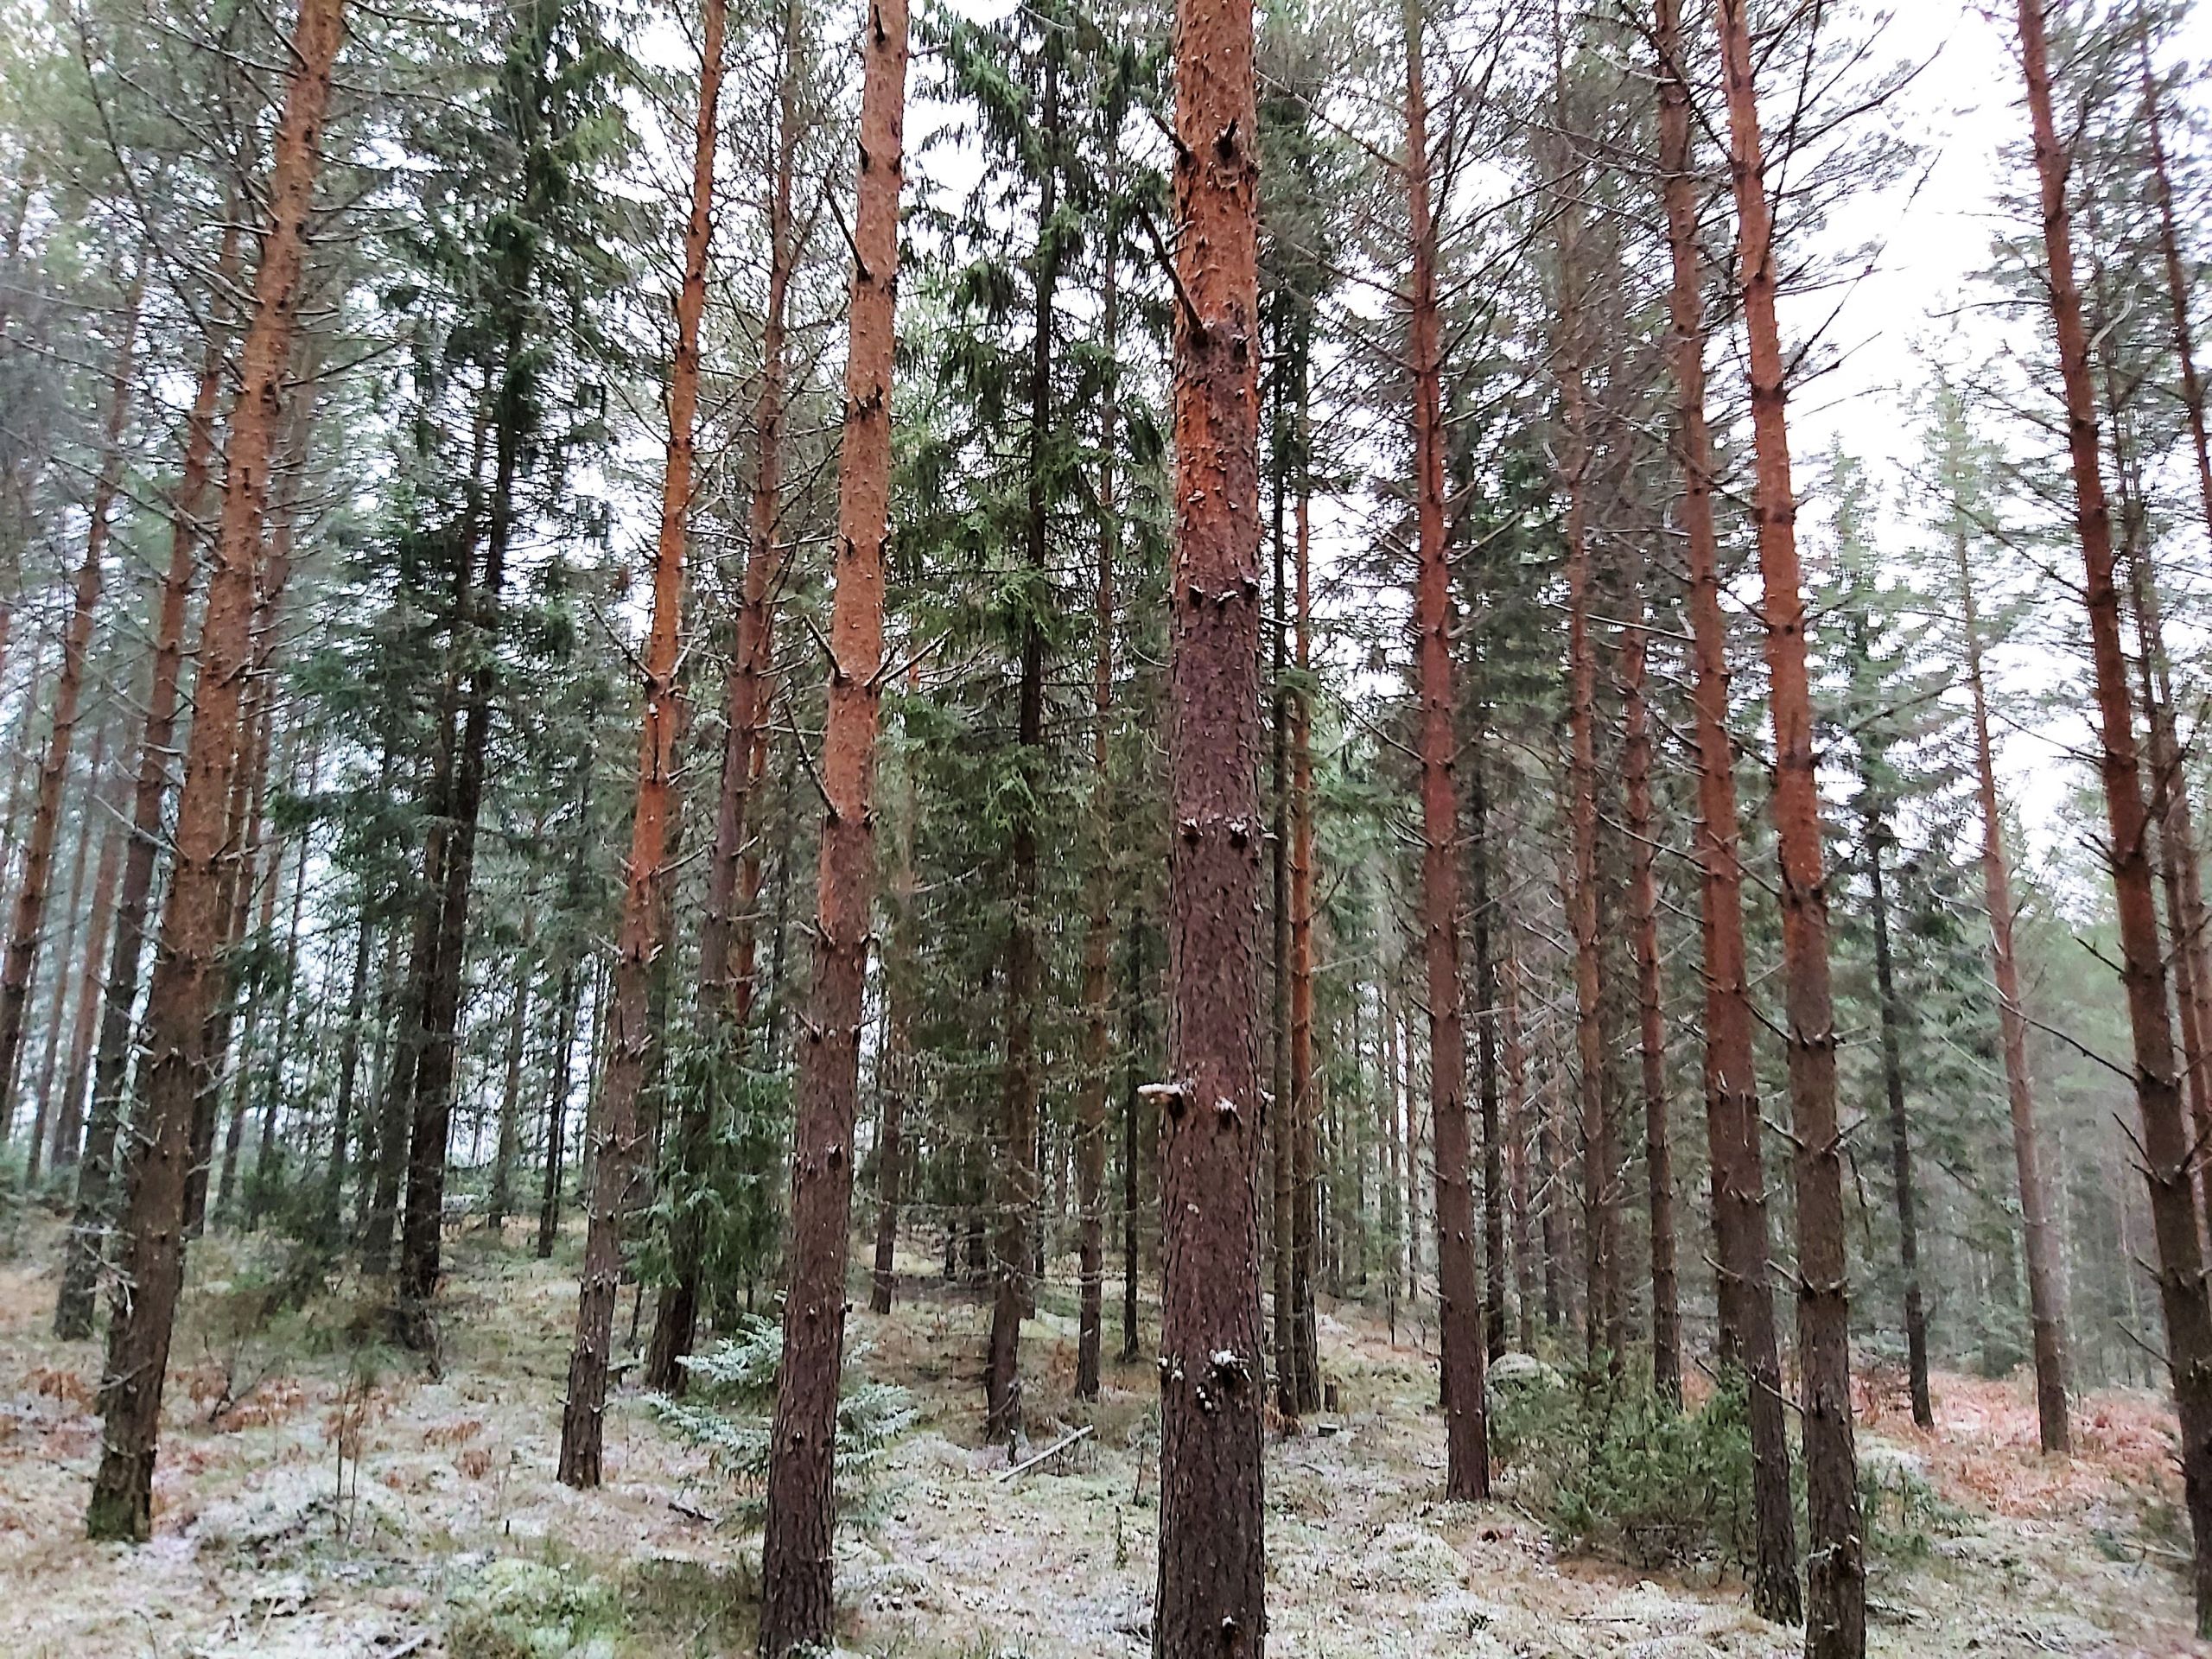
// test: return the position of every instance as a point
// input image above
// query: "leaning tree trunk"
(1732, 1105)
(1835, 1569)
(188, 972)
(1651, 994)
(26, 931)
(630, 1029)
(1211, 1590)
(2167, 1144)
(797, 1605)
(2046, 1315)
(1467, 1452)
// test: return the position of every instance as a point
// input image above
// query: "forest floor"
(318, 1497)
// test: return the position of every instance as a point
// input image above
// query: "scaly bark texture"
(1466, 1450)
(796, 1607)
(1835, 1568)
(1210, 1601)
(1732, 1105)
(1650, 995)
(25, 932)
(2046, 1312)
(644, 912)
(188, 973)
(2167, 1144)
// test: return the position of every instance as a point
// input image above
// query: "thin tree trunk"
(57, 992)
(2192, 389)
(1892, 1012)
(557, 1113)
(69, 1121)
(349, 1065)
(1283, 1106)
(28, 919)
(1016, 1168)
(500, 1199)
(1517, 1143)
(1650, 996)
(1835, 1570)
(796, 1578)
(1305, 1342)
(1098, 938)
(1486, 1034)
(2046, 1307)
(1732, 1105)
(188, 972)
(2167, 1145)
(897, 1064)
(1466, 1450)
(1132, 1110)
(1211, 1597)
(645, 899)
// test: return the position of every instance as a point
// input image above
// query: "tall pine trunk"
(1305, 1338)
(2167, 1144)
(645, 909)
(1467, 1452)
(1892, 1017)
(1015, 1175)
(1098, 936)
(188, 973)
(1650, 992)
(2046, 1315)
(1211, 1590)
(1732, 1104)
(1835, 1570)
(26, 930)
(797, 1608)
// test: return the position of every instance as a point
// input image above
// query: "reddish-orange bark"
(1835, 1577)
(189, 973)
(621, 1137)
(2167, 1144)
(1210, 1600)
(796, 1590)
(1732, 1105)
(29, 914)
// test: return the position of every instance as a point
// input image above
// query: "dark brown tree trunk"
(1098, 938)
(96, 1173)
(1467, 1457)
(1835, 1571)
(1517, 1143)
(43, 1117)
(1132, 1110)
(1732, 1106)
(1486, 1035)
(1915, 1312)
(1282, 1129)
(500, 1199)
(25, 929)
(1305, 1336)
(1014, 1169)
(1650, 996)
(556, 1114)
(2045, 1312)
(797, 1603)
(1210, 1601)
(622, 1137)
(188, 970)
(349, 1066)
(897, 1067)
(2167, 1145)
(69, 1121)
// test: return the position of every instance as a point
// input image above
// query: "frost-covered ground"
(346, 1504)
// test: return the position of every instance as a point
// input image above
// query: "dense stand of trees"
(1208, 647)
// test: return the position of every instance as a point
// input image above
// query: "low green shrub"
(732, 1396)
(1614, 1470)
